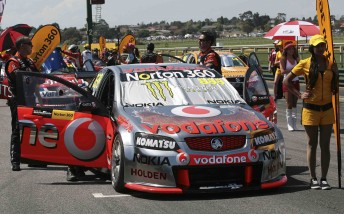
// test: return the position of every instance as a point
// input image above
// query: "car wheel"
(117, 165)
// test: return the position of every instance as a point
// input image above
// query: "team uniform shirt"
(278, 58)
(321, 94)
(210, 57)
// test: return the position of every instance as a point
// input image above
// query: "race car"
(238, 71)
(158, 128)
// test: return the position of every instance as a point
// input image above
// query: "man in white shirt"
(87, 53)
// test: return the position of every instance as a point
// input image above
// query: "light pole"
(89, 22)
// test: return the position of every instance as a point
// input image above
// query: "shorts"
(296, 84)
(314, 118)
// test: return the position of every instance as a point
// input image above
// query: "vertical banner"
(125, 40)
(324, 19)
(44, 41)
(102, 45)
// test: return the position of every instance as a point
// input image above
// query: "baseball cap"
(317, 39)
(276, 42)
(288, 44)
(280, 43)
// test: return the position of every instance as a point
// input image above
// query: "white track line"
(100, 195)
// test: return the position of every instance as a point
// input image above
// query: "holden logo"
(216, 143)
(183, 158)
(253, 155)
(195, 111)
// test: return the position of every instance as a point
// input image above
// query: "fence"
(262, 52)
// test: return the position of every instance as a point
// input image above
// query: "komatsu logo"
(265, 139)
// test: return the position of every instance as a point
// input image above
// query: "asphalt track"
(38, 190)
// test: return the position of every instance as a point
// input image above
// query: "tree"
(71, 35)
(248, 15)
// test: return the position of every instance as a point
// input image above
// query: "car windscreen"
(176, 87)
(230, 60)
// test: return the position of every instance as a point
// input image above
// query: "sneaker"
(15, 167)
(324, 185)
(314, 184)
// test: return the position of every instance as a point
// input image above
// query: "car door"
(61, 123)
(256, 89)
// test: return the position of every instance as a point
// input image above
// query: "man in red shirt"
(207, 55)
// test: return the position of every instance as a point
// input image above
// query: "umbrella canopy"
(9, 36)
(292, 30)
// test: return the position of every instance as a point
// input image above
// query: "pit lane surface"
(39, 190)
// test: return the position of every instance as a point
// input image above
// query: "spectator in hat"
(272, 57)
(87, 53)
(288, 61)
(278, 93)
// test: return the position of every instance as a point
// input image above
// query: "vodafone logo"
(253, 155)
(96, 130)
(195, 111)
(183, 158)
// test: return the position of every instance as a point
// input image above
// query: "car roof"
(155, 67)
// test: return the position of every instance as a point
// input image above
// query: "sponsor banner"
(148, 174)
(151, 160)
(243, 157)
(167, 74)
(264, 137)
(62, 115)
(155, 142)
(41, 112)
(211, 127)
(44, 42)
(125, 40)
(324, 20)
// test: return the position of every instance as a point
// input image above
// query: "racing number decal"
(212, 81)
(159, 85)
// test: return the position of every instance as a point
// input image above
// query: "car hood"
(181, 121)
(229, 72)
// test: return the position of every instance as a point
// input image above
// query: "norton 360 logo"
(84, 138)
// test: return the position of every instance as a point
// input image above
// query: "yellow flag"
(44, 42)
(125, 40)
(102, 45)
(324, 19)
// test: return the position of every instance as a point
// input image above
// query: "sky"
(72, 13)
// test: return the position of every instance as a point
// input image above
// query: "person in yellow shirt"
(317, 112)
(278, 94)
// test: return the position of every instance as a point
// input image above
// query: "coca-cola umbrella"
(9, 36)
(292, 30)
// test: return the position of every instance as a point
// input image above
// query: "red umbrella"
(292, 30)
(8, 37)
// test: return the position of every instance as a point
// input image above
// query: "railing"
(262, 52)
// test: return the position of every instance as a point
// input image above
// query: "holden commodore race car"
(158, 128)
(245, 74)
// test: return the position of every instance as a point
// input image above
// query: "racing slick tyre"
(117, 165)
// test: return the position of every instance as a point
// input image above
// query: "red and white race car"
(160, 128)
